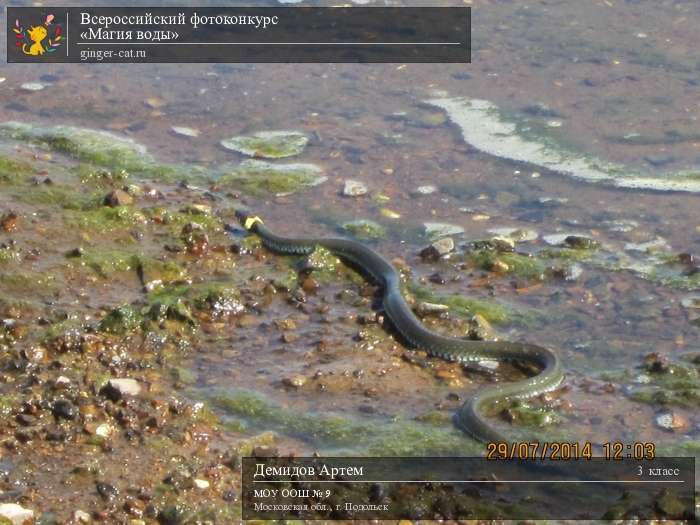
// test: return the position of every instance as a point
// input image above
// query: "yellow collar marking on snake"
(250, 221)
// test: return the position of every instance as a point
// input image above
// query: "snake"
(470, 416)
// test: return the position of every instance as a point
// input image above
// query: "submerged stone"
(437, 249)
(121, 320)
(15, 514)
(155, 273)
(425, 190)
(118, 198)
(268, 144)
(435, 230)
(516, 234)
(489, 129)
(260, 177)
(117, 389)
(90, 145)
(365, 229)
(185, 132)
(354, 188)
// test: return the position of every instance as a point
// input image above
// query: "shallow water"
(620, 81)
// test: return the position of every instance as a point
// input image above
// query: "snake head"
(247, 219)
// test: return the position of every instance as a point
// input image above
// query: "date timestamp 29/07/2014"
(561, 450)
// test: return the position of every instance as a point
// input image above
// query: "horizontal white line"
(477, 481)
(270, 43)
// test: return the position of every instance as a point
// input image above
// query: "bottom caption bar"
(468, 488)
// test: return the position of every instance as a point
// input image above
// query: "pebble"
(557, 239)
(692, 302)
(389, 214)
(118, 198)
(154, 103)
(424, 308)
(425, 190)
(107, 491)
(642, 379)
(61, 382)
(32, 86)
(63, 408)
(580, 242)
(81, 516)
(480, 329)
(16, 514)
(295, 381)
(103, 430)
(9, 222)
(119, 388)
(672, 421)
(516, 234)
(441, 229)
(552, 200)
(438, 249)
(446, 375)
(499, 266)
(354, 188)
(201, 484)
(185, 132)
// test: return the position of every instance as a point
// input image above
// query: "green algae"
(327, 267)
(105, 262)
(99, 148)
(13, 170)
(178, 219)
(61, 197)
(528, 415)
(678, 384)
(100, 176)
(9, 254)
(175, 310)
(23, 284)
(8, 402)
(364, 229)
(463, 306)
(395, 438)
(569, 254)
(268, 144)
(155, 273)
(93, 146)
(264, 178)
(524, 266)
(106, 218)
(121, 320)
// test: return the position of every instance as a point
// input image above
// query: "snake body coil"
(469, 417)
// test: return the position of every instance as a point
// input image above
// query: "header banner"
(272, 34)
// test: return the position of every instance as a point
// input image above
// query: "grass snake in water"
(470, 416)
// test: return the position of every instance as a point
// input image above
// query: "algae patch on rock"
(491, 130)
(259, 177)
(364, 229)
(96, 146)
(464, 306)
(13, 170)
(268, 144)
(373, 437)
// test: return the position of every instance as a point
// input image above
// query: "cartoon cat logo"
(31, 40)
